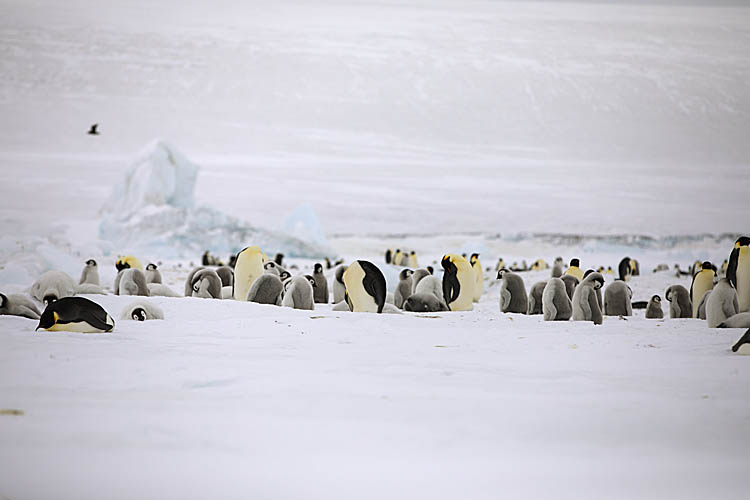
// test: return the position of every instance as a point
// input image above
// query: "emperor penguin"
(388, 256)
(738, 271)
(128, 262)
(535, 297)
(653, 309)
(500, 264)
(320, 292)
(189, 281)
(206, 284)
(703, 281)
(701, 314)
(266, 290)
(556, 304)
(90, 273)
(476, 267)
(625, 269)
(153, 275)
(404, 287)
(424, 302)
(131, 281)
(722, 303)
(248, 267)
(635, 267)
(365, 287)
(18, 305)
(458, 283)
(417, 277)
(557, 269)
(339, 288)
(75, 314)
(397, 257)
(53, 285)
(743, 345)
(298, 293)
(513, 298)
(571, 282)
(585, 306)
(574, 269)
(679, 302)
(413, 261)
(617, 297)
(539, 265)
(161, 290)
(142, 311)
(431, 284)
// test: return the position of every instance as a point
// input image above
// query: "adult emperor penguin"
(585, 306)
(339, 288)
(397, 257)
(128, 262)
(90, 273)
(418, 275)
(18, 305)
(535, 297)
(722, 303)
(653, 309)
(206, 284)
(617, 297)
(388, 256)
(738, 271)
(679, 302)
(141, 311)
(320, 292)
(365, 287)
(131, 281)
(575, 270)
(413, 261)
(248, 267)
(556, 304)
(703, 281)
(75, 314)
(476, 267)
(513, 298)
(53, 285)
(403, 289)
(153, 275)
(743, 345)
(458, 283)
(625, 269)
(266, 290)
(298, 293)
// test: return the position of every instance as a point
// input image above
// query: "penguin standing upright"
(365, 287)
(458, 283)
(320, 291)
(575, 270)
(625, 269)
(76, 314)
(703, 281)
(738, 271)
(339, 288)
(153, 275)
(404, 287)
(397, 257)
(90, 273)
(388, 256)
(413, 261)
(476, 267)
(248, 267)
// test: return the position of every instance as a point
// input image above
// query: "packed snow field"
(320, 129)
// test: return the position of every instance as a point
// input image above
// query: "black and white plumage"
(141, 311)
(15, 304)
(75, 314)
(585, 305)
(206, 284)
(53, 285)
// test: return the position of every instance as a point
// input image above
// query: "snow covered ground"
(518, 130)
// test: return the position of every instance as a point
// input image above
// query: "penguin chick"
(131, 281)
(585, 305)
(653, 309)
(53, 285)
(679, 302)
(535, 297)
(513, 298)
(153, 275)
(320, 292)
(403, 289)
(18, 305)
(141, 311)
(90, 273)
(617, 299)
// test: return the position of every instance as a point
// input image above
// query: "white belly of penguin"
(79, 327)
(464, 302)
(703, 283)
(744, 350)
(360, 299)
(743, 279)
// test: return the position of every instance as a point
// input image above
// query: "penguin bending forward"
(738, 271)
(75, 314)
(365, 287)
(458, 283)
(248, 267)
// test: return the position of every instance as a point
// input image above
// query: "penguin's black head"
(463, 255)
(656, 298)
(707, 265)
(318, 268)
(279, 258)
(91, 262)
(475, 256)
(575, 263)
(668, 294)
(120, 265)
(138, 314)
(448, 265)
(412, 253)
(398, 250)
(151, 267)
(430, 269)
(311, 280)
(598, 282)
(405, 273)
(3, 301)
(742, 241)
(48, 317)
(502, 273)
(588, 271)
(49, 299)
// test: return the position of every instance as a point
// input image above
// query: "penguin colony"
(720, 296)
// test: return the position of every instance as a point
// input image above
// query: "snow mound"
(153, 211)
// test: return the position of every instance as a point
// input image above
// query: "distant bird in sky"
(92, 130)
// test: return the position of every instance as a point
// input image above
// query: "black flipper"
(734, 257)
(96, 317)
(374, 283)
(745, 339)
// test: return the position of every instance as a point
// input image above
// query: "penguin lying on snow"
(424, 302)
(18, 305)
(53, 285)
(298, 293)
(142, 311)
(76, 314)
